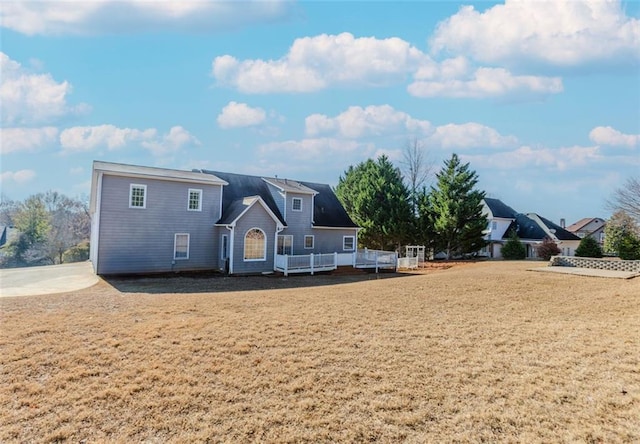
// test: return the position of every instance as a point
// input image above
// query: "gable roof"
(528, 227)
(328, 211)
(557, 230)
(500, 209)
(238, 187)
(289, 186)
(240, 206)
(580, 224)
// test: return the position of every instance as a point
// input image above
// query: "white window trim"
(244, 245)
(293, 208)
(144, 199)
(344, 238)
(175, 244)
(313, 241)
(194, 190)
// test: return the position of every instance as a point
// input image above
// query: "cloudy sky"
(542, 98)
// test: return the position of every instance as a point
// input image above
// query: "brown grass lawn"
(486, 352)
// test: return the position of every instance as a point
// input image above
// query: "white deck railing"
(310, 263)
(408, 263)
(306, 263)
(375, 259)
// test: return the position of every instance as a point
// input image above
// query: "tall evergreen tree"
(376, 198)
(456, 209)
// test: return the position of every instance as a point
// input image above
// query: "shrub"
(77, 253)
(589, 247)
(629, 248)
(513, 249)
(547, 249)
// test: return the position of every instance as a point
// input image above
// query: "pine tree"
(456, 209)
(376, 198)
(513, 249)
(589, 247)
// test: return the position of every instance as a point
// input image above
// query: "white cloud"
(29, 98)
(606, 135)
(19, 177)
(561, 159)
(486, 82)
(26, 139)
(561, 32)
(469, 135)
(110, 17)
(358, 122)
(88, 138)
(322, 149)
(176, 139)
(315, 63)
(238, 115)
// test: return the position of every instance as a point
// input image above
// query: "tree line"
(44, 229)
(394, 210)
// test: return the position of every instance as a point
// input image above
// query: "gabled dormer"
(294, 200)
(499, 217)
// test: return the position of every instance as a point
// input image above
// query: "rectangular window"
(195, 200)
(296, 204)
(285, 244)
(308, 242)
(181, 246)
(494, 225)
(137, 196)
(348, 243)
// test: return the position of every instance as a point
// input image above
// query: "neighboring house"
(530, 228)
(146, 220)
(589, 227)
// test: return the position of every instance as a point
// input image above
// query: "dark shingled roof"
(559, 232)
(500, 209)
(241, 186)
(328, 212)
(327, 209)
(526, 228)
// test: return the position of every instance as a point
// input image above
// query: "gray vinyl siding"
(330, 240)
(255, 217)
(299, 222)
(135, 240)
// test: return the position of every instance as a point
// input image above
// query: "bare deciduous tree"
(416, 167)
(627, 198)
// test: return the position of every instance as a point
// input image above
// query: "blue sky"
(542, 98)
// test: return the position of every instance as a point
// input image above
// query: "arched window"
(255, 245)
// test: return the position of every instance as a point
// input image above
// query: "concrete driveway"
(32, 281)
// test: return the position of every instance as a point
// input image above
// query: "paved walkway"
(587, 272)
(31, 281)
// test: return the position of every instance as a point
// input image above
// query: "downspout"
(94, 242)
(231, 235)
(279, 229)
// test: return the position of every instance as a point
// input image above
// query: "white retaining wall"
(600, 264)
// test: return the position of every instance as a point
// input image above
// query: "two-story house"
(589, 227)
(530, 228)
(147, 220)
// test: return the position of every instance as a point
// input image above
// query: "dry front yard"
(486, 352)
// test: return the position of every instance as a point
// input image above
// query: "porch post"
(311, 262)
